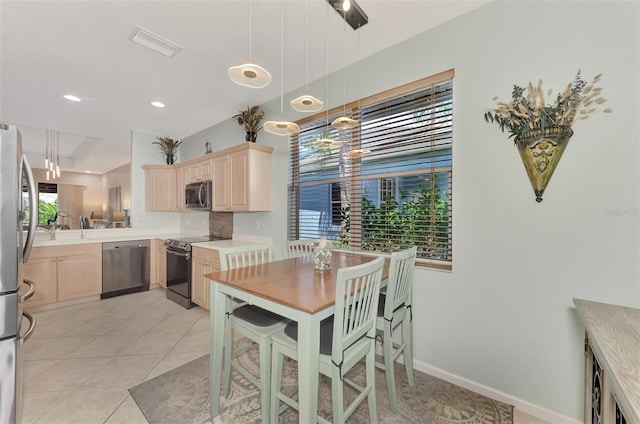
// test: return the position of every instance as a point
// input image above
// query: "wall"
(118, 177)
(502, 321)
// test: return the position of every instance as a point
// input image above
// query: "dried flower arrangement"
(250, 119)
(168, 147)
(529, 112)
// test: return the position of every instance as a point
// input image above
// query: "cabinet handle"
(54, 259)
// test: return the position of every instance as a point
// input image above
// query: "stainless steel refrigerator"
(16, 240)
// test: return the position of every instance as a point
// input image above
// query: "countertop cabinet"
(160, 188)
(612, 363)
(158, 264)
(64, 272)
(204, 262)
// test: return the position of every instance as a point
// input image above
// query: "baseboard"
(521, 405)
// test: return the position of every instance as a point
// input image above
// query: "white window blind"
(399, 195)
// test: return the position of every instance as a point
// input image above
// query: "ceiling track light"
(249, 74)
(350, 11)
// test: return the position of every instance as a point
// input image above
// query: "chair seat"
(257, 316)
(326, 334)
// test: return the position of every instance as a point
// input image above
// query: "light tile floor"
(82, 359)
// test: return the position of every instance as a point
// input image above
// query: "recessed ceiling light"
(157, 104)
(72, 98)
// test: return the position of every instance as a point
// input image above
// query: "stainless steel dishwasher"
(125, 267)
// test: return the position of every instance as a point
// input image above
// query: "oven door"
(179, 272)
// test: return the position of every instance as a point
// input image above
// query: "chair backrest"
(357, 294)
(302, 247)
(400, 282)
(241, 256)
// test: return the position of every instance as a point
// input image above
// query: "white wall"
(118, 177)
(503, 319)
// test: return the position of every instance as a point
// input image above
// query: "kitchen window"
(400, 194)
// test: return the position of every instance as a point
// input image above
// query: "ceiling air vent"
(152, 41)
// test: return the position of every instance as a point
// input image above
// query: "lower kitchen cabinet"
(161, 264)
(64, 272)
(204, 261)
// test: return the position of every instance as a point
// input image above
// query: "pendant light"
(358, 153)
(250, 74)
(307, 103)
(344, 122)
(326, 142)
(281, 127)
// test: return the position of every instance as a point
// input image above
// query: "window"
(47, 203)
(399, 195)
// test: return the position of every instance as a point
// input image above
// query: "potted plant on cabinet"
(168, 147)
(250, 120)
(542, 131)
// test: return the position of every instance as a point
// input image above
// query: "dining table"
(292, 288)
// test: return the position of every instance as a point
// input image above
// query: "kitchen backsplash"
(221, 224)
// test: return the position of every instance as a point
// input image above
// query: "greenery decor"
(250, 120)
(168, 147)
(528, 109)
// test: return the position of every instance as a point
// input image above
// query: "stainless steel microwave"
(198, 196)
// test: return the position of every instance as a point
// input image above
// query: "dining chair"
(255, 323)
(345, 339)
(394, 309)
(302, 247)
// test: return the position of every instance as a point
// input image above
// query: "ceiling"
(52, 48)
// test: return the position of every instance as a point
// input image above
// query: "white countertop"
(67, 237)
(223, 244)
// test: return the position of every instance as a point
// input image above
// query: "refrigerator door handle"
(30, 293)
(33, 209)
(32, 326)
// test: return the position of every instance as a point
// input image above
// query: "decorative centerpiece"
(542, 131)
(250, 120)
(168, 147)
(322, 255)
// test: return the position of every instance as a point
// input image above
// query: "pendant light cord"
(307, 26)
(282, 60)
(250, 25)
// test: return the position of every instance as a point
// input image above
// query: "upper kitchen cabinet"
(200, 171)
(242, 179)
(160, 188)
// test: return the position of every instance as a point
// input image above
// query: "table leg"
(217, 315)
(308, 365)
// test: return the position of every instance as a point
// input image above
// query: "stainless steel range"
(179, 268)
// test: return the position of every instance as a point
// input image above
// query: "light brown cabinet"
(158, 264)
(241, 178)
(64, 272)
(160, 188)
(204, 262)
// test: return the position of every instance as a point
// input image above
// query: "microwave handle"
(200, 199)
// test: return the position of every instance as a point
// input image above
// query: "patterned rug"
(182, 396)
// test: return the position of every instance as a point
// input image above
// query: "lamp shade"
(344, 122)
(250, 75)
(97, 215)
(358, 153)
(281, 127)
(327, 143)
(306, 103)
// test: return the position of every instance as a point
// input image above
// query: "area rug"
(182, 396)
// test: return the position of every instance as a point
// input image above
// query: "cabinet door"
(220, 192)
(206, 170)
(161, 266)
(238, 173)
(43, 273)
(79, 276)
(161, 193)
(180, 184)
(199, 284)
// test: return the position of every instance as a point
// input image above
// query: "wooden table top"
(294, 282)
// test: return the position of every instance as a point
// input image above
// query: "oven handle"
(178, 253)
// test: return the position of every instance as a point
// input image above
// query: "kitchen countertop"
(68, 237)
(223, 244)
(614, 335)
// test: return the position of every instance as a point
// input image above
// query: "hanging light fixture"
(326, 143)
(344, 122)
(250, 74)
(57, 154)
(306, 102)
(281, 127)
(358, 153)
(52, 154)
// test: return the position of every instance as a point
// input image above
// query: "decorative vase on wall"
(541, 151)
(170, 159)
(251, 136)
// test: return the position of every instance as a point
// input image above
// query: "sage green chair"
(345, 339)
(394, 309)
(255, 323)
(302, 247)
